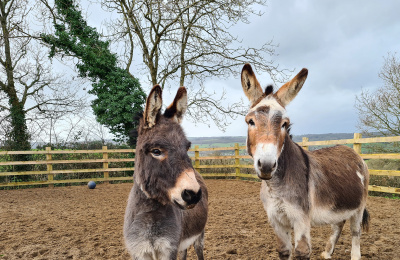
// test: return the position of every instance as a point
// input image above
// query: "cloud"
(342, 43)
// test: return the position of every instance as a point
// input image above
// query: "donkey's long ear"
(153, 106)
(289, 91)
(250, 84)
(178, 108)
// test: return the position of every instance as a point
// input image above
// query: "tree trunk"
(19, 134)
(19, 137)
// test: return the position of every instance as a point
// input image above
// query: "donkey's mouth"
(184, 207)
(179, 205)
(191, 206)
(264, 176)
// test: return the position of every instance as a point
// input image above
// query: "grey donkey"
(167, 206)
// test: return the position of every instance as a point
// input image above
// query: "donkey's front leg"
(284, 241)
(199, 246)
(183, 254)
(168, 255)
(302, 242)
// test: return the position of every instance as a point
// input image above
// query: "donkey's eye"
(285, 125)
(156, 152)
(251, 122)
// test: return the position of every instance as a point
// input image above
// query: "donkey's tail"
(365, 220)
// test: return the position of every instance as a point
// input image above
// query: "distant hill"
(219, 141)
(321, 137)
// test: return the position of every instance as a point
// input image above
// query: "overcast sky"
(343, 45)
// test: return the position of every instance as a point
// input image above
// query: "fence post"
(357, 146)
(105, 165)
(196, 158)
(50, 176)
(237, 161)
(305, 140)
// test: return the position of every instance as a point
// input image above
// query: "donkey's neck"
(293, 163)
(291, 182)
(143, 202)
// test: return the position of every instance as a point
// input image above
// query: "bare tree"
(30, 90)
(4, 128)
(379, 111)
(189, 41)
(65, 131)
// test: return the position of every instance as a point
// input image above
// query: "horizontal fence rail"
(49, 162)
(240, 161)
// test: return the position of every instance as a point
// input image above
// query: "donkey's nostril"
(274, 165)
(187, 194)
(259, 164)
(190, 197)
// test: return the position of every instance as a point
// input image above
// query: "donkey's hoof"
(325, 255)
(285, 255)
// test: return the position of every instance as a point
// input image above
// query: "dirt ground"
(78, 223)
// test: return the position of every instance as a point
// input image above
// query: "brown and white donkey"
(302, 188)
(167, 206)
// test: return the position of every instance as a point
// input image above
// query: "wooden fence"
(50, 162)
(357, 141)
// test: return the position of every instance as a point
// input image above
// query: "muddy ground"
(78, 223)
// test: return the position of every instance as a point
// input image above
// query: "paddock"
(77, 223)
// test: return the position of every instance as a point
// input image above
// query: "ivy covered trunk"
(119, 96)
(19, 137)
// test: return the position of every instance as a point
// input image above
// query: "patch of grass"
(393, 196)
(384, 195)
